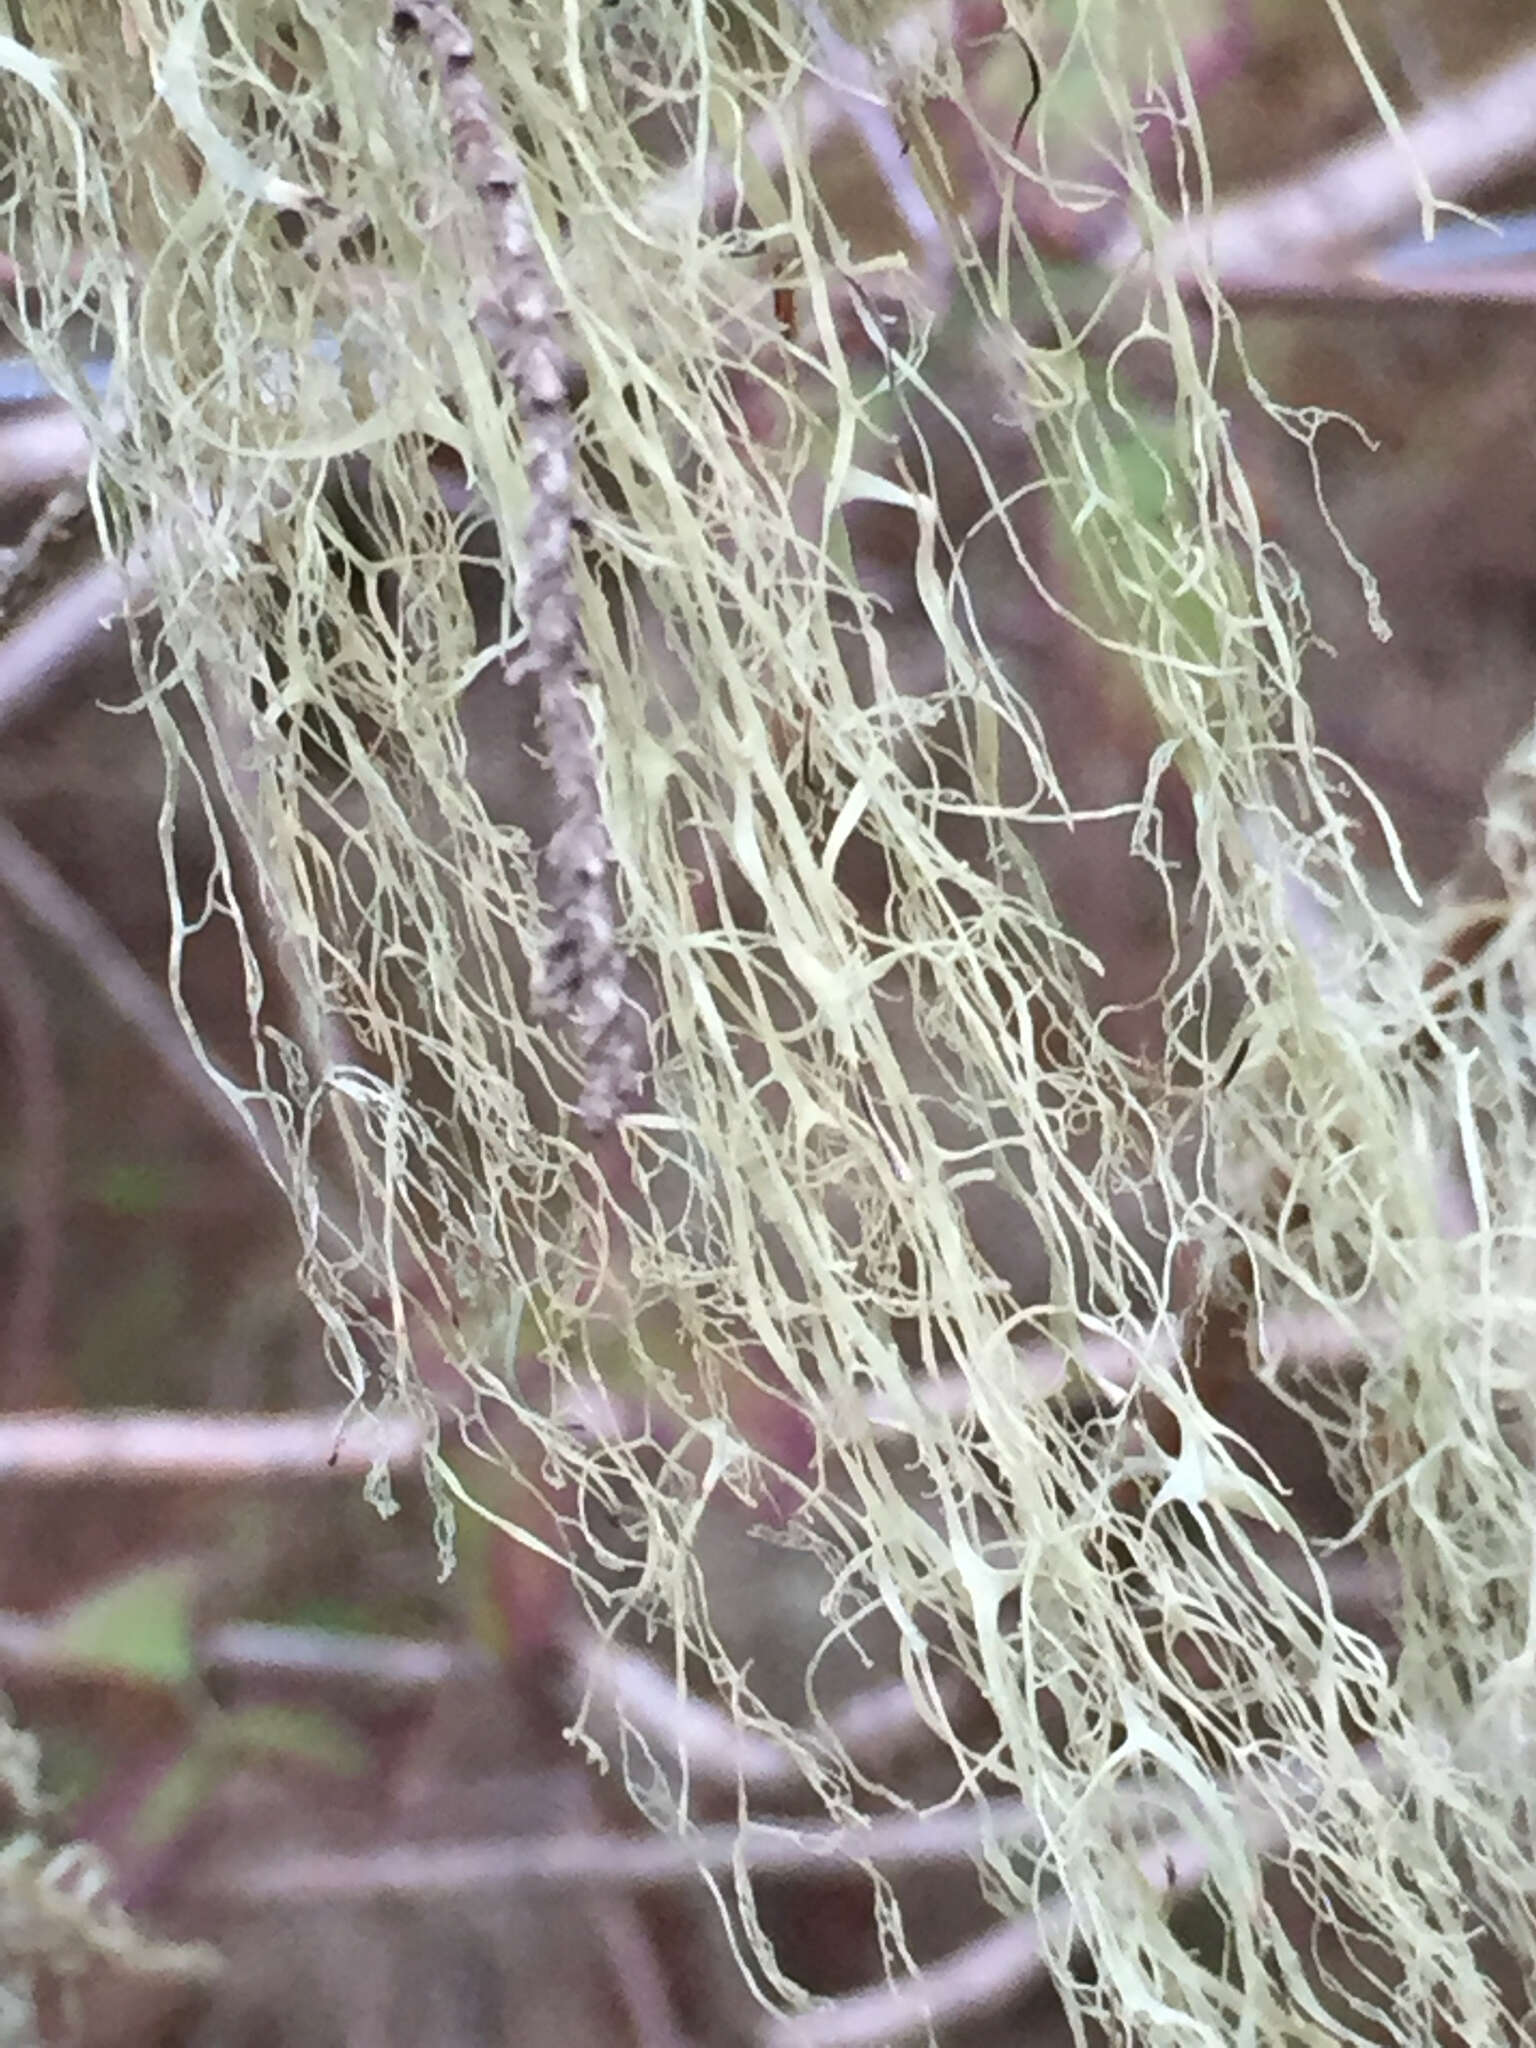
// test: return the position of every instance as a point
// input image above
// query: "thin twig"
(626, 1941)
(1461, 142)
(1011, 1960)
(808, 1852)
(1222, 52)
(703, 1738)
(1408, 30)
(636, 1693)
(584, 968)
(1297, 1338)
(987, 1973)
(68, 628)
(154, 1449)
(1369, 286)
(39, 1128)
(323, 1659)
(851, 77)
(54, 536)
(821, 107)
(39, 451)
(1363, 1591)
(55, 908)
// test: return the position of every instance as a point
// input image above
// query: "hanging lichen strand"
(504, 432)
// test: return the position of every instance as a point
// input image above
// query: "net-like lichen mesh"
(697, 1101)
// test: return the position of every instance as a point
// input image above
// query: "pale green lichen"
(58, 1921)
(837, 1105)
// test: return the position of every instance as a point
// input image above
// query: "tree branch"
(55, 909)
(435, 1870)
(156, 1449)
(1351, 198)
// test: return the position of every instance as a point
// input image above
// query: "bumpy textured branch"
(583, 970)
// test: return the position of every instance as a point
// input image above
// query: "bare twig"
(626, 1941)
(425, 1870)
(321, 1658)
(325, 1657)
(152, 1449)
(1370, 285)
(851, 77)
(69, 627)
(1408, 29)
(41, 450)
(1298, 1338)
(821, 107)
(56, 909)
(584, 967)
(1219, 53)
(1041, 1370)
(636, 1693)
(633, 1691)
(1459, 143)
(40, 1173)
(1363, 1591)
(1010, 1960)
(882, 1721)
(54, 536)
(987, 1973)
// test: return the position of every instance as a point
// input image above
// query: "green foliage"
(135, 1187)
(222, 1743)
(139, 1626)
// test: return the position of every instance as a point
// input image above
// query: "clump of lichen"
(879, 1142)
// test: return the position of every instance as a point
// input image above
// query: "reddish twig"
(39, 1129)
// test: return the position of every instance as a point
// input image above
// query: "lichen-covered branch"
(583, 969)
